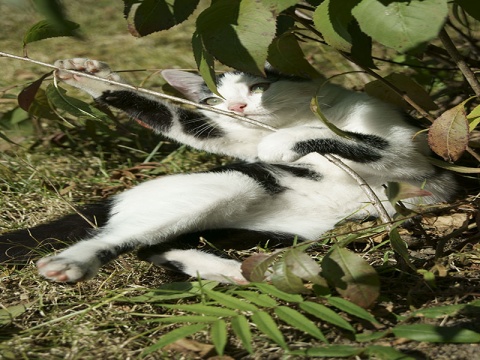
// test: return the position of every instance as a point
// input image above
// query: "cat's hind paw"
(91, 67)
(62, 269)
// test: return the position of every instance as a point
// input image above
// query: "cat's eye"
(212, 101)
(259, 88)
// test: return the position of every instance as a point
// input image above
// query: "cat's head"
(274, 100)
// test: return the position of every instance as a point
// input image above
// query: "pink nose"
(239, 107)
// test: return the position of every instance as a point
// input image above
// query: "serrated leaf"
(27, 95)
(332, 19)
(267, 325)
(299, 321)
(173, 336)
(255, 266)
(324, 313)
(241, 328)
(238, 33)
(401, 25)
(471, 7)
(361, 51)
(203, 309)
(286, 55)
(218, 334)
(284, 279)
(351, 276)
(407, 85)
(54, 12)
(386, 353)
(273, 291)
(351, 308)
(44, 29)
(449, 134)
(40, 107)
(230, 301)
(303, 266)
(262, 300)
(277, 6)
(149, 16)
(329, 351)
(434, 333)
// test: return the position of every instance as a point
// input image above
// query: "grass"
(55, 166)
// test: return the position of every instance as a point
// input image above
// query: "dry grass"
(88, 320)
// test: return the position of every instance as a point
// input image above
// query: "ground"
(56, 166)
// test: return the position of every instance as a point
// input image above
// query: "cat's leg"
(155, 212)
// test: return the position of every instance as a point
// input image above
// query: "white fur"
(163, 208)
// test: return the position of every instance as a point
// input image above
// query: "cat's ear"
(187, 83)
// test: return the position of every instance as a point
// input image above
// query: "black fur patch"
(364, 150)
(197, 125)
(257, 171)
(299, 171)
(153, 113)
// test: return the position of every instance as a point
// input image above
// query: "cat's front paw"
(92, 67)
(278, 148)
(63, 269)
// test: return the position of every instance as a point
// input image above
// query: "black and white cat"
(283, 188)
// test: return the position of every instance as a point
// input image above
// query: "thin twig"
(376, 202)
(462, 65)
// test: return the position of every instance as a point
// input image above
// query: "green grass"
(55, 166)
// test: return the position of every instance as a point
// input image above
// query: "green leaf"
(332, 19)
(238, 33)
(205, 63)
(45, 29)
(299, 321)
(230, 301)
(449, 134)
(172, 291)
(286, 55)
(218, 334)
(149, 16)
(303, 266)
(386, 353)
(8, 314)
(262, 300)
(266, 325)
(277, 6)
(58, 98)
(181, 319)
(471, 7)
(241, 328)
(407, 85)
(441, 311)
(397, 191)
(41, 107)
(400, 247)
(324, 313)
(453, 167)
(54, 13)
(255, 266)
(203, 309)
(352, 276)
(474, 118)
(284, 279)
(361, 51)
(329, 351)
(173, 336)
(273, 291)
(433, 333)
(401, 25)
(351, 308)
(371, 336)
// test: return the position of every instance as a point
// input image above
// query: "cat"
(282, 188)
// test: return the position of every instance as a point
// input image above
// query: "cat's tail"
(21, 246)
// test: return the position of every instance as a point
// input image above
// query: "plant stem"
(457, 57)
